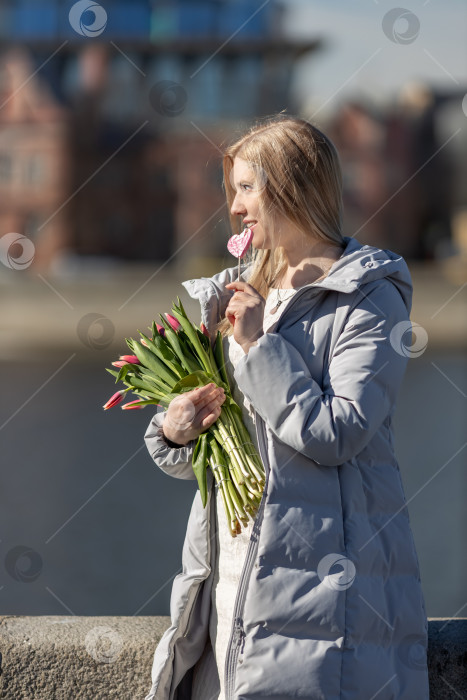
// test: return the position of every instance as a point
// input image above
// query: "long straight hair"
(298, 174)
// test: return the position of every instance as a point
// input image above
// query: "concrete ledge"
(97, 658)
(91, 658)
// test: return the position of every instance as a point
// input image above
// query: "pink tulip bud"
(143, 342)
(173, 322)
(115, 399)
(132, 359)
(160, 329)
(132, 404)
(205, 330)
(135, 404)
(119, 363)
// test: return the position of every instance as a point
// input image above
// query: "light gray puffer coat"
(330, 604)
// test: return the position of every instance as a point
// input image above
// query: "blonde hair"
(299, 171)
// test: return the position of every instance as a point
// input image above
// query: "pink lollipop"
(239, 244)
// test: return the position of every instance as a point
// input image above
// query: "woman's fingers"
(212, 404)
(211, 417)
(210, 411)
(206, 394)
(196, 409)
(202, 392)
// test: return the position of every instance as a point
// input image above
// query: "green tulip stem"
(253, 459)
(220, 432)
(231, 449)
(249, 460)
(222, 484)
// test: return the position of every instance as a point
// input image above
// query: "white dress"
(208, 681)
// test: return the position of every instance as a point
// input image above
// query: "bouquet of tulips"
(178, 357)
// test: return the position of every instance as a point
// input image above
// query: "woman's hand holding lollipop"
(245, 309)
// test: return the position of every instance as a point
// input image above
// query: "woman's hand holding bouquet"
(192, 413)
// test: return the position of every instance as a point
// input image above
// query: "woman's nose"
(237, 206)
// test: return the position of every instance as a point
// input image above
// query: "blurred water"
(80, 489)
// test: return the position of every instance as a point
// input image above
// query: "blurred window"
(70, 75)
(240, 85)
(34, 18)
(6, 167)
(123, 98)
(238, 17)
(31, 225)
(34, 169)
(128, 19)
(205, 87)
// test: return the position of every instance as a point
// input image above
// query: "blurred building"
(126, 123)
(35, 158)
(405, 172)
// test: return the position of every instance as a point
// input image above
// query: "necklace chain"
(279, 300)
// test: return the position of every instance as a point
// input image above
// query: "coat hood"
(360, 264)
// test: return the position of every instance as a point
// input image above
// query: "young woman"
(319, 597)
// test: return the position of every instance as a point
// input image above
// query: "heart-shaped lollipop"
(239, 244)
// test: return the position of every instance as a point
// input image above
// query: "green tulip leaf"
(191, 381)
(124, 371)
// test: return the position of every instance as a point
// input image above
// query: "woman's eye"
(245, 186)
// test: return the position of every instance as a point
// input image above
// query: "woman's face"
(248, 185)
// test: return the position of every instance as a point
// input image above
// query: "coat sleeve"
(331, 423)
(212, 295)
(175, 461)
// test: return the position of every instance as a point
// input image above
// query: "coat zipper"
(237, 636)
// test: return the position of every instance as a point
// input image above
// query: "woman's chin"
(260, 244)
(257, 241)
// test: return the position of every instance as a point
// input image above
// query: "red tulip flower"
(160, 329)
(205, 330)
(173, 322)
(126, 360)
(132, 404)
(115, 399)
(132, 359)
(135, 404)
